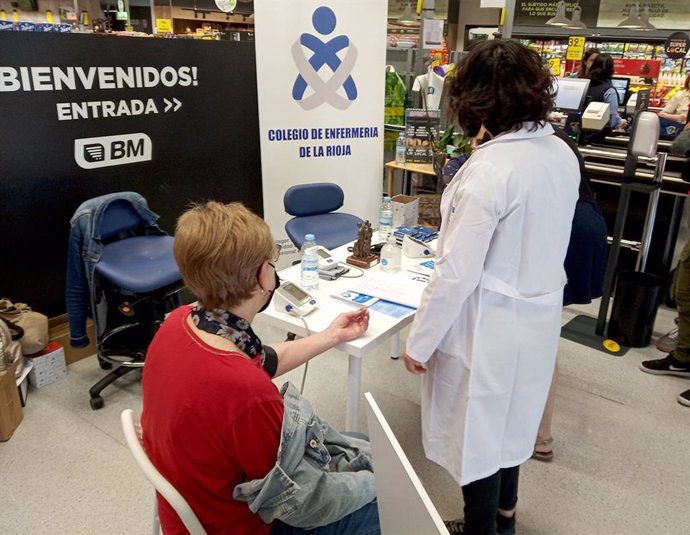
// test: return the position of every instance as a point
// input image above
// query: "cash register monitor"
(571, 94)
(621, 85)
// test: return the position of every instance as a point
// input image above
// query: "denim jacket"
(85, 250)
(320, 476)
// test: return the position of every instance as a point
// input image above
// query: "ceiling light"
(644, 20)
(226, 6)
(407, 18)
(560, 19)
(633, 21)
(577, 23)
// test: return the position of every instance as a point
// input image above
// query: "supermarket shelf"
(600, 34)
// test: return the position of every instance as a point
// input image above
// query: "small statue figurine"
(361, 250)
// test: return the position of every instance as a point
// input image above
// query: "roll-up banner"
(320, 77)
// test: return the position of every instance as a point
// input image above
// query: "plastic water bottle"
(400, 149)
(385, 219)
(310, 264)
(390, 256)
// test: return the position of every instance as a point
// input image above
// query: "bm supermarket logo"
(336, 87)
(108, 151)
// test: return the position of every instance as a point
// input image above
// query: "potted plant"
(454, 147)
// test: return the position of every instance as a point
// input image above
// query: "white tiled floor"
(622, 462)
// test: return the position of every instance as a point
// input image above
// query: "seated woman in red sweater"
(214, 421)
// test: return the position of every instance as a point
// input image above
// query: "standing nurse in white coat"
(486, 333)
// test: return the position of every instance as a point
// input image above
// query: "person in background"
(486, 333)
(249, 460)
(601, 90)
(585, 267)
(677, 362)
(676, 108)
(587, 59)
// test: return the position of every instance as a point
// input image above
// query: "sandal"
(543, 456)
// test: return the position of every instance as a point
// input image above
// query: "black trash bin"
(634, 308)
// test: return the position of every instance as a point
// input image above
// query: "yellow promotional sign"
(576, 48)
(49, 17)
(555, 66)
(164, 25)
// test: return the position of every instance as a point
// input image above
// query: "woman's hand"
(413, 366)
(349, 325)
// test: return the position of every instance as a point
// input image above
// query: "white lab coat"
(489, 320)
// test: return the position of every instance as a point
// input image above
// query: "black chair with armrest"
(135, 283)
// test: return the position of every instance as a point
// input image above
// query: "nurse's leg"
(507, 500)
(481, 505)
(543, 448)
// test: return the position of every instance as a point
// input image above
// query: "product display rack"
(672, 73)
(404, 60)
(556, 48)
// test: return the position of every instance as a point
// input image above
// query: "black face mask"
(486, 137)
(271, 292)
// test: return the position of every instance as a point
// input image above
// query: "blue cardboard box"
(26, 26)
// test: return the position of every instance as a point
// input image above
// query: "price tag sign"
(555, 66)
(576, 48)
(164, 25)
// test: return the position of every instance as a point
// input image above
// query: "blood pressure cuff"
(270, 364)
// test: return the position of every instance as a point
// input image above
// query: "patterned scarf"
(226, 324)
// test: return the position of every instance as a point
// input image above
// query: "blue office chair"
(313, 207)
(135, 281)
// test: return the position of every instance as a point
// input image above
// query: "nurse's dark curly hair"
(501, 84)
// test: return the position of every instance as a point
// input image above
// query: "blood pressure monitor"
(291, 298)
(414, 248)
(326, 260)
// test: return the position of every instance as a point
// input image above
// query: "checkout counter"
(604, 163)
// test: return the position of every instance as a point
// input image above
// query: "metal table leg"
(395, 345)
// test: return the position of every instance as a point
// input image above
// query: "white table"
(381, 327)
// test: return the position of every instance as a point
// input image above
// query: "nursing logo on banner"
(324, 55)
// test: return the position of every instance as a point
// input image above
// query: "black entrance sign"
(86, 115)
